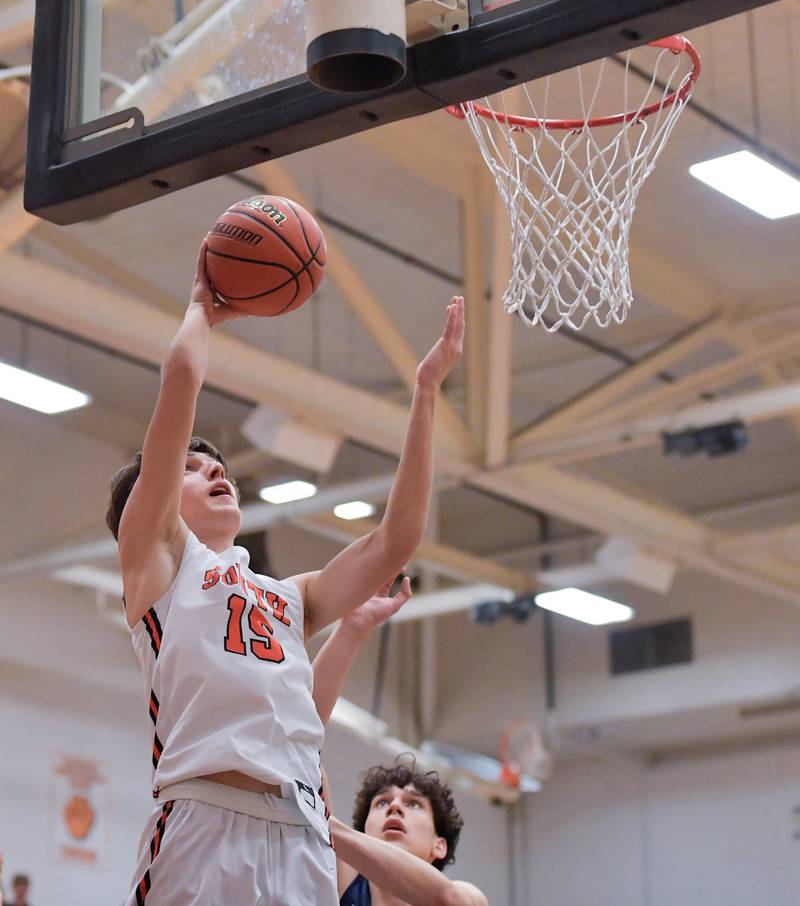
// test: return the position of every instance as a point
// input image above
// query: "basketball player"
(236, 736)
(406, 825)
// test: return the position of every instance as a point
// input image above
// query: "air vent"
(648, 647)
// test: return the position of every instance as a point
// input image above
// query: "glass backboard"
(132, 99)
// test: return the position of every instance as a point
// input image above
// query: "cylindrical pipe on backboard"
(355, 45)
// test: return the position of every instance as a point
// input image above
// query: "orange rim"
(677, 44)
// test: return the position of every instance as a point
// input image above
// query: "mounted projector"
(715, 440)
(518, 609)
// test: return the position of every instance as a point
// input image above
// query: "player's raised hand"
(379, 608)
(436, 365)
(203, 295)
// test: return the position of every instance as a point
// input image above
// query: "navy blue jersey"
(357, 894)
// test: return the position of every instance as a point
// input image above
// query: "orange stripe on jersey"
(153, 706)
(158, 836)
(158, 748)
(144, 886)
(153, 627)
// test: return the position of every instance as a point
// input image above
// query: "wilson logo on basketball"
(239, 234)
(259, 203)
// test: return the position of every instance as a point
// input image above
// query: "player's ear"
(440, 848)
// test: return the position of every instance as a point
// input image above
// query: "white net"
(571, 192)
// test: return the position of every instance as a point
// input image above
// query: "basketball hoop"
(523, 758)
(571, 185)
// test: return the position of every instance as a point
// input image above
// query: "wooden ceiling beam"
(619, 384)
(407, 145)
(708, 379)
(363, 302)
(126, 324)
(473, 266)
(442, 558)
(497, 398)
(603, 508)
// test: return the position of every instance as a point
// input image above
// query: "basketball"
(266, 255)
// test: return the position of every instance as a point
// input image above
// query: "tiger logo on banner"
(79, 812)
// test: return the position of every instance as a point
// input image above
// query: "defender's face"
(208, 498)
(404, 817)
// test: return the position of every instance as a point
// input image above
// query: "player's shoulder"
(148, 576)
(473, 896)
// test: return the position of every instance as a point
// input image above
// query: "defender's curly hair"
(122, 483)
(446, 819)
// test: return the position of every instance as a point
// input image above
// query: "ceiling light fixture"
(355, 509)
(752, 181)
(583, 606)
(35, 392)
(287, 491)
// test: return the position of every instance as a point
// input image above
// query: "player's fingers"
(457, 307)
(461, 321)
(403, 593)
(458, 315)
(201, 260)
(450, 323)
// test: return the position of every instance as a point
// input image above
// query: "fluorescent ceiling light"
(356, 509)
(580, 605)
(288, 491)
(28, 389)
(752, 181)
(92, 577)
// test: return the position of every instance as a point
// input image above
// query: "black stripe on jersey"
(153, 707)
(158, 748)
(144, 886)
(153, 627)
(158, 836)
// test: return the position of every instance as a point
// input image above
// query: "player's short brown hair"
(446, 819)
(122, 483)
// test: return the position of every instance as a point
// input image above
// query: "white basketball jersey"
(228, 678)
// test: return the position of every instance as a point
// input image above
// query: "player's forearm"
(332, 665)
(395, 871)
(188, 352)
(406, 516)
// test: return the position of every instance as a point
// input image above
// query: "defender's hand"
(379, 608)
(203, 295)
(436, 365)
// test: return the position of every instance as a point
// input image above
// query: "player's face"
(404, 817)
(209, 499)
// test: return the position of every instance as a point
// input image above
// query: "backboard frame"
(66, 182)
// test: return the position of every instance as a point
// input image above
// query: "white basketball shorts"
(208, 844)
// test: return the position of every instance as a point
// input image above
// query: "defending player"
(236, 736)
(406, 825)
